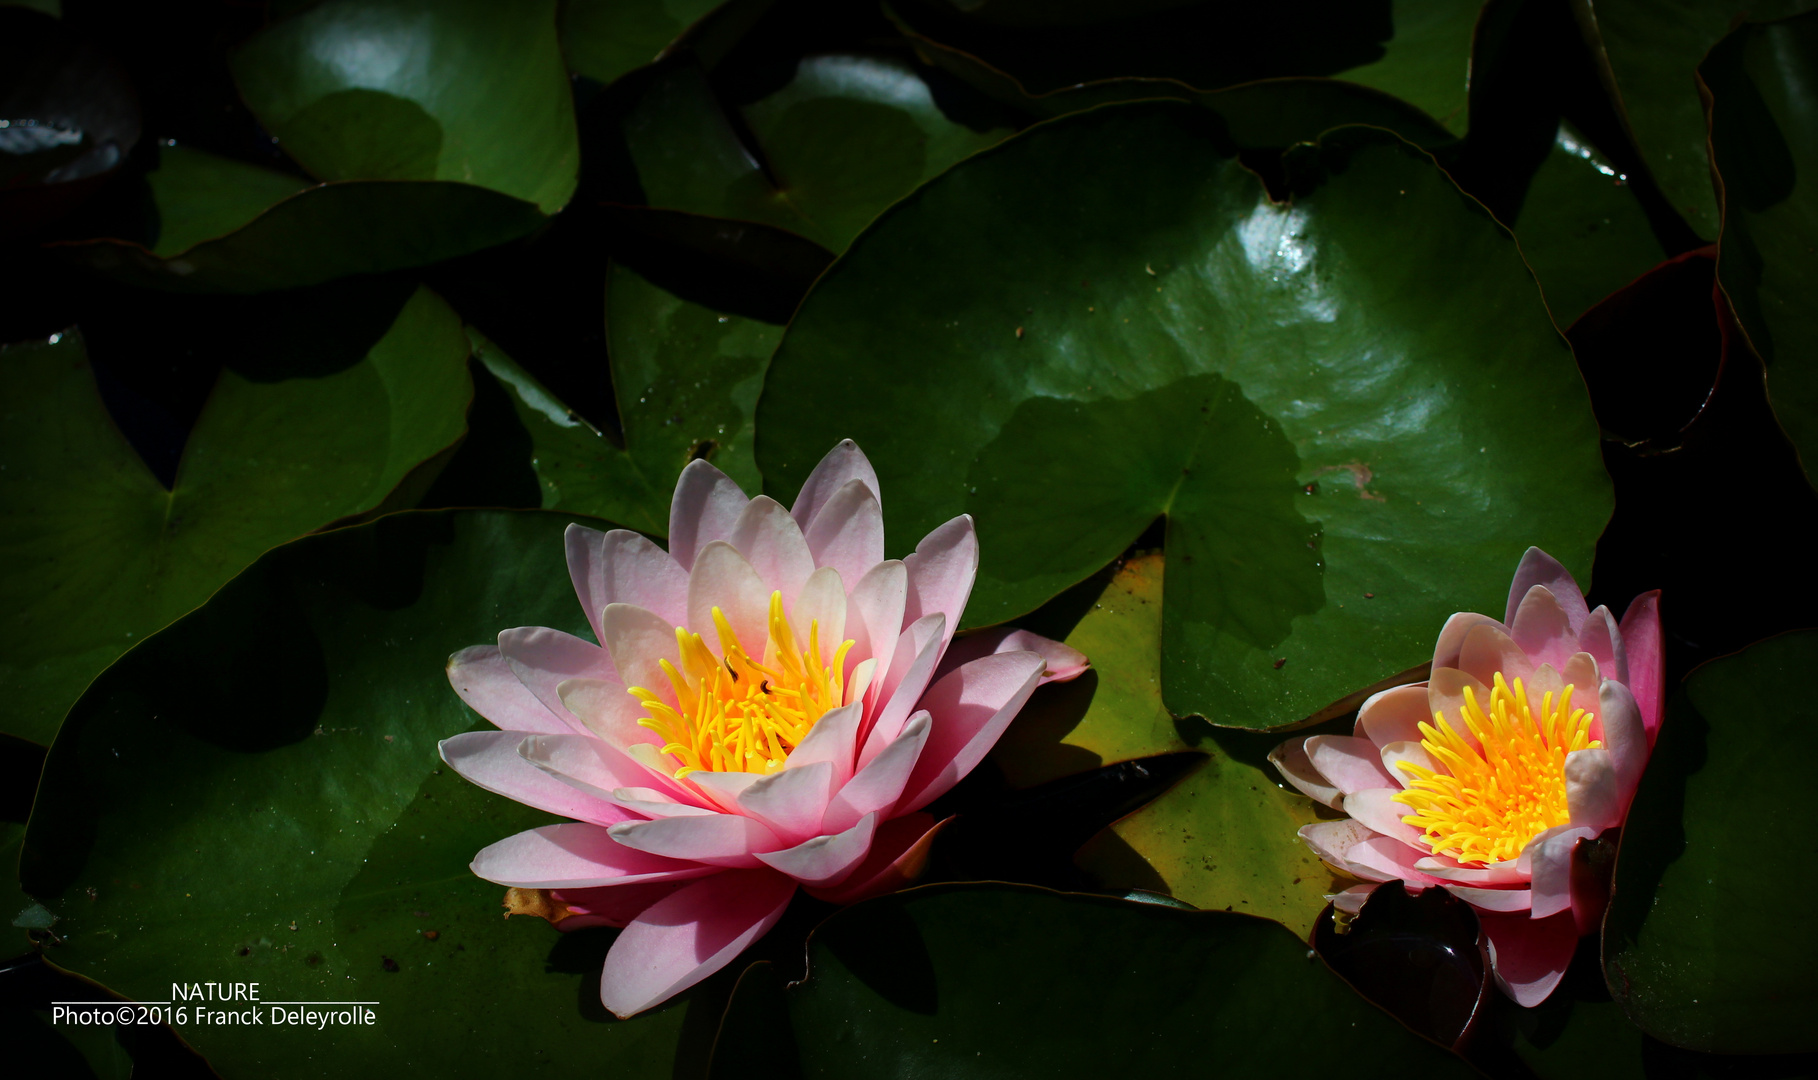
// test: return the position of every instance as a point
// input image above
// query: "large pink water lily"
(771, 705)
(1528, 739)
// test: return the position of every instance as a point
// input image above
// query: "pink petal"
(833, 739)
(543, 659)
(1332, 841)
(1394, 715)
(1376, 808)
(825, 861)
(723, 788)
(898, 855)
(1549, 863)
(772, 543)
(820, 613)
(1647, 671)
(874, 614)
(653, 804)
(971, 708)
(621, 567)
(1539, 568)
(1624, 737)
(1351, 900)
(1495, 900)
(591, 765)
(608, 710)
(848, 533)
(842, 465)
(1449, 870)
(680, 940)
(1064, 663)
(1411, 752)
(730, 840)
(722, 578)
(489, 687)
(571, 857)
(1542, 628)
(879, 784)
(610, 905)
(1446, 696)
(941, 572)
(1390, 860)
(1591, 793)
(1602, 638)
(638, 640)
(1452, 637)
(1351, 764)
(1529, 956)
(706, 505)
(1290, 759)
(1486, 651)
(490, 759)
(918, 652)
(791, 802)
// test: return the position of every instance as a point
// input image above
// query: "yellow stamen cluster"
(1484, 805)
(736, 714)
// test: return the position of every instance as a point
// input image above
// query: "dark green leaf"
(604, 39)
(1106, 320)
(1700, 948)
(1764, 127)
(1000, 980)
(1428, 61)
(254, 795)
(99, 554)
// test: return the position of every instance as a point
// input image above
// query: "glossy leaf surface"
(1005, 980)
(1105, 320)
(98, 554)
(1221, 838)
(1764, 128)
(1696, 944)
(258, 789)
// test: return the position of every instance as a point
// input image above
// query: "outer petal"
(608, 710)
(1549, 864)
(825, 861)
(1539, 568)
(1624, 737)
(610, 905)
(706, 505)
(898, 855)
(1542, 628)
(621, 567)
(848, 533)
(638, 640)
(722, 578)
(573, 857)
(843, 464)
(941, 572)
(1529, 956)
(490, 759)
(791, 802)
(1351, 900)
(1390, 859)
(874, 614)
(1332, 841)
(1395, 715)
(1503, 900)
(487, 684)
(1351, 764)
(729, 840)
(879, 785)
(1602, 638)
(1376, 808)
(1291, 760)
(543, 659)
(971, 708)
(1647, 670)
(680, 940)
(593, 766)
(918, 652)
(1064, 663)
(1452, 636)
(1591, 791)
(772, 543)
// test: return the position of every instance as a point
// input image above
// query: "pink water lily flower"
(770, 706)
(1528, 739)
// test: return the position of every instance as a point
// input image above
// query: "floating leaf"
(1106, 320)
(604, 39)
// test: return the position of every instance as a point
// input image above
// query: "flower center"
(734, 714)
(1484, 805)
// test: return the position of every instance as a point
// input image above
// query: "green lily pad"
(255, 795)
(1650, 51)
(1762, 117)
(227, 226)
(1428, 61)
(1003, 980)
(1581, 228)
(1694, 943)
(604, 39)
(1257, 865)
(1106, 320)
(98, 554)
(461, 90)
(848, 136)
(687, 381)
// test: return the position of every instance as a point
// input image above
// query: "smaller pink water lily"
(770, 706)
(1529, 738)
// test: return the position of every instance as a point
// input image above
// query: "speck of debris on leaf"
(388, 963)
(1280, 662)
